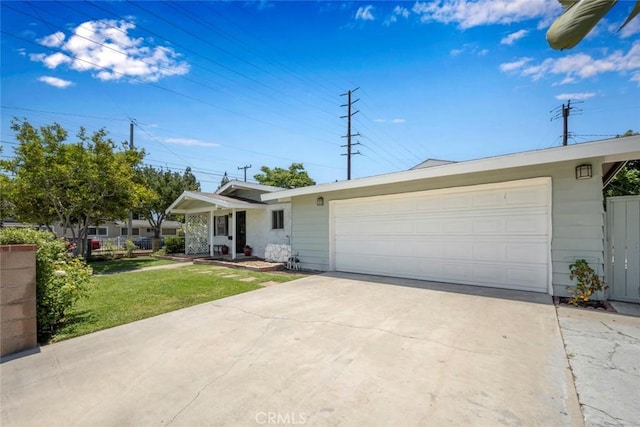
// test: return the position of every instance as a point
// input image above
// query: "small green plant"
(109, 249)
(60, 279)
(174, 245)
(587, 282)
(130, 247)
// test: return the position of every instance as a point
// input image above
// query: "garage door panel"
(527, 196)
(527, 224)
(533, 252)
(497, 236)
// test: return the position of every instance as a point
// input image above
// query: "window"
(134, 231)
(222, 226)
(97, 231)
(277, 220)
(169, 231)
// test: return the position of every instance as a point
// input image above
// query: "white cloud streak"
(365, 13)
(106, 49)
(190, 142)
(575, 96)
(398, 11)
(468, 13)
(55, 82)
(513, 37)
(580, 65)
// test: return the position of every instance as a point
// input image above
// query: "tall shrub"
(174, 245)
(60, 279)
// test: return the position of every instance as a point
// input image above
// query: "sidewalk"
(604, 354)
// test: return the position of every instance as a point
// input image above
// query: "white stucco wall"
(259, 231)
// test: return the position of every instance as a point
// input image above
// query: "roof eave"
(609, 150)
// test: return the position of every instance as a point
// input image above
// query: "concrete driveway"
(324, 350)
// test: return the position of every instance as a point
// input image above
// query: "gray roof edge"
(602, 148)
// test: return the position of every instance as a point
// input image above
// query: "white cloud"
(575, 96)
(468, 13)
(513, 37)
(365, 13)
(401, 11)
(398, 11)
(580, 65)
(631, 29)
(189, 142)
(471, 48)
(515, 65)
(105, 48)
(56, 82)
(379, 120)
(53, 40)
(398, 121)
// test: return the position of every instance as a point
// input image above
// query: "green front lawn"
(117, 299)
(125, 264)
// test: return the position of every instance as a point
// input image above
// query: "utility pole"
(245, 171)
(564, 111)
(130, 222)
(350, 114)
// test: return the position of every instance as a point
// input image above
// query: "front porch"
(222, 225)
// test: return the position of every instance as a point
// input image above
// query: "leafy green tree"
(78, 184)
(627, 180)
(167, 186)
(293, 177)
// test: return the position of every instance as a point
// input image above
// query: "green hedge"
(174, 245)
(60, 279)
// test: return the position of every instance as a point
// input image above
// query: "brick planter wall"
(17, 298)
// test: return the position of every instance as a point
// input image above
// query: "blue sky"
(219, 85)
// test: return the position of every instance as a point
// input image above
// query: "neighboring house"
(515, 221)
(234, 216)
(118, 229)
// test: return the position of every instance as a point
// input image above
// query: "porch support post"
(186, 233)
(211, 225)
(233, 233)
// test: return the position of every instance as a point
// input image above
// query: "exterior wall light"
(583, 171)
(320, 201)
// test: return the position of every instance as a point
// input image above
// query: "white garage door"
(496, 235)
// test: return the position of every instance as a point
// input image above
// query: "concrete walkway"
(323, 350)
(604, 353)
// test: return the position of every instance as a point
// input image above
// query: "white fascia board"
(188, 195)
(248, 185)
(609, 150)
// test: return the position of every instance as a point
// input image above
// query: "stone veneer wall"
(17, 298)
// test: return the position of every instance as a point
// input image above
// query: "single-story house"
(514, 221)
(234, 216)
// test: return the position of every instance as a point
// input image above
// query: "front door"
(241, 231)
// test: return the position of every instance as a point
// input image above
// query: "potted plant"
(224, 249)
(247, 250)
